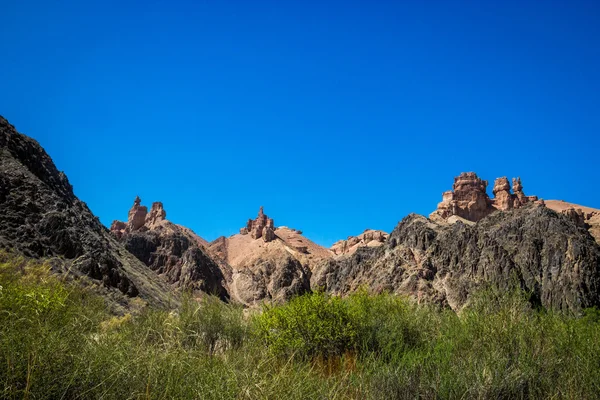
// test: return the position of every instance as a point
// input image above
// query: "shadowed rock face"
(533, 247)
(41, 217)
(277, 279)
(173, 252)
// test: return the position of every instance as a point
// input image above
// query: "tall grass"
(57, 341)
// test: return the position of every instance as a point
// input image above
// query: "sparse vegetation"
(58, 341)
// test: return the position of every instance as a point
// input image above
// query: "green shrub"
(307, 326)
(321, 325)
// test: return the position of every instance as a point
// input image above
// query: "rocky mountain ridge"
(469, 241)
(533, 247)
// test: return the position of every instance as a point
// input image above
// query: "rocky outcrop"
(268, 263)
(576, 215)
(172, 251)
(40, 217)
(469, 200)
(583, 216)
(277, 277)
(156, 216)
(370, 238)
(137, 215)
(262, 226)
(532, 247)
(503, 198)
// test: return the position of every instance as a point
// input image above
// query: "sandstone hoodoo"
(262, 226)
(139, 218)
(469, 199)
(173, 251)
(41, 217)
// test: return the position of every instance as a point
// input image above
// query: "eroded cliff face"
(40, 216)
(175, 253)
(532, 247)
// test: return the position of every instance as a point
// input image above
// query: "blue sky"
(336, 116)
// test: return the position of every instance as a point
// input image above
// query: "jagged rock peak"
(262, 226)
(156, 215)
(469, 199)
(137, 215)
(139, 219)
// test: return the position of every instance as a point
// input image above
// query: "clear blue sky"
(336, 116)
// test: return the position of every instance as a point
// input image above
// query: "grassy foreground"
(58, 342)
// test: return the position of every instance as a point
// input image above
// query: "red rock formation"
(137, 215)
(118, 228)
(470, 201)
(139, 218)
(262, 226)
(156, 215)
(268, 234)
(521, 199)
(172, 251)
(503, 200)
(370, 238)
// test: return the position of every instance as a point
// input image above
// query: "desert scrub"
(320, 325)
(307, 326)
(44, 324)
(57, 341)
(211, 324)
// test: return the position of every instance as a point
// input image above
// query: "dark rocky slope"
(40, 217)
(174, 252)
(535, 248)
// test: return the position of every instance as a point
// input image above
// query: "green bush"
(308, 326)
(321, 325)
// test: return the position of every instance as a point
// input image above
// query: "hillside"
(590, 216)
(174, 252)
(40, 217)
(268, 262)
